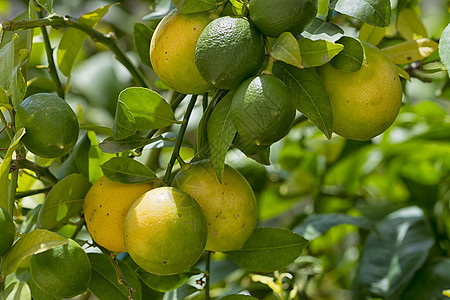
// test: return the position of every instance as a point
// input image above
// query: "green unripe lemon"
(62, 272)
(228, 51)
(7, 232)
(50, 123)
(366, 102)
(172, 51)
(263, 111)
(273, 17)
(165, 231)
(230, 207)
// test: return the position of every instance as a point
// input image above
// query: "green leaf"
(262, 156)
(374, 12)
(149, 109)
(73, 39)
(34, 242)
(444, 48)
(142, 35)
(47, 4)
(371, 34)
(286, 49)
(97, 128)
(110, 145)
(127, 170)
(64, 201)
(310, 94)
(104, 282)
(429, 281)
(351, 58)
(316, 225)
(393, 254)
(4, 100)
(96, 158)
(409, 25)
(4, 169)
(410, 51)
(317, 53)
(124, 123)
(221, 131)
(36, 291)
(164, 283)
(402, 73)
(18, 86)
(17, 290)
(78, 160)
(268, 250)
(238, 7)
(7, 63)
(192, 6)
(321, 30)
(237, 297)
(160, 10)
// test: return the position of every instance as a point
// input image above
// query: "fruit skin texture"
(230, 208)
(263, 111)
(50, 123)
(366, 102)
(275, 17)
(228, 51)
(62, 272)
(172, 51)
(105, 206)
(7, 232)
(165, 231)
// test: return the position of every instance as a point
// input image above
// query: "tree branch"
(57, 22)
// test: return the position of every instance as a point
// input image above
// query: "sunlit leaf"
(73, 39)
(371, 34)
(96, 158)
(374, 12)
(444, 48)
(4, 100)
(317, 53)
(78, 160)
(34, 242)
(286, 49)
(18, 86)
(268, 250)
(321, 30)
(110, 145)
(192, 6)
(409, 25)
(310, 94)
(221, 131)
(165, 283)
(7, 63)
(124, 123)
(17, 290)
(127, 170)
(402, 73)
(64, 201)
(47, 4)
(393, 254)
(410, 51)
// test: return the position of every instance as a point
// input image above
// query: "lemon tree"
(105, 207)
(165, 231)
(291, 149)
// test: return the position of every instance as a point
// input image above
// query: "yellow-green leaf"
(402, 73)
(286, 49)
(317, 53)
(34, 242)
(410, 51)
(372, 34)
(409, 25)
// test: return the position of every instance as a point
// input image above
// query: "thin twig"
(122, 279)
(58, 22)
(5, 124)
(42, 173)
(179, 140)
(33, 192)
(50, 60)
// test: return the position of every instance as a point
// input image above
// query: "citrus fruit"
(62, 272)
(366, 102)
(7, 232)
(172, 51)
(230, 207)
(105, 207)
(228, 51)
(262, 110)
(275, 17)
(165, 231)
(51, 125)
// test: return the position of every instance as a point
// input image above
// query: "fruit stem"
(207, 274)
(176, 151)
(50, 60)
(269, 67)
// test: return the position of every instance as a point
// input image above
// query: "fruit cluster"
(166, 229)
